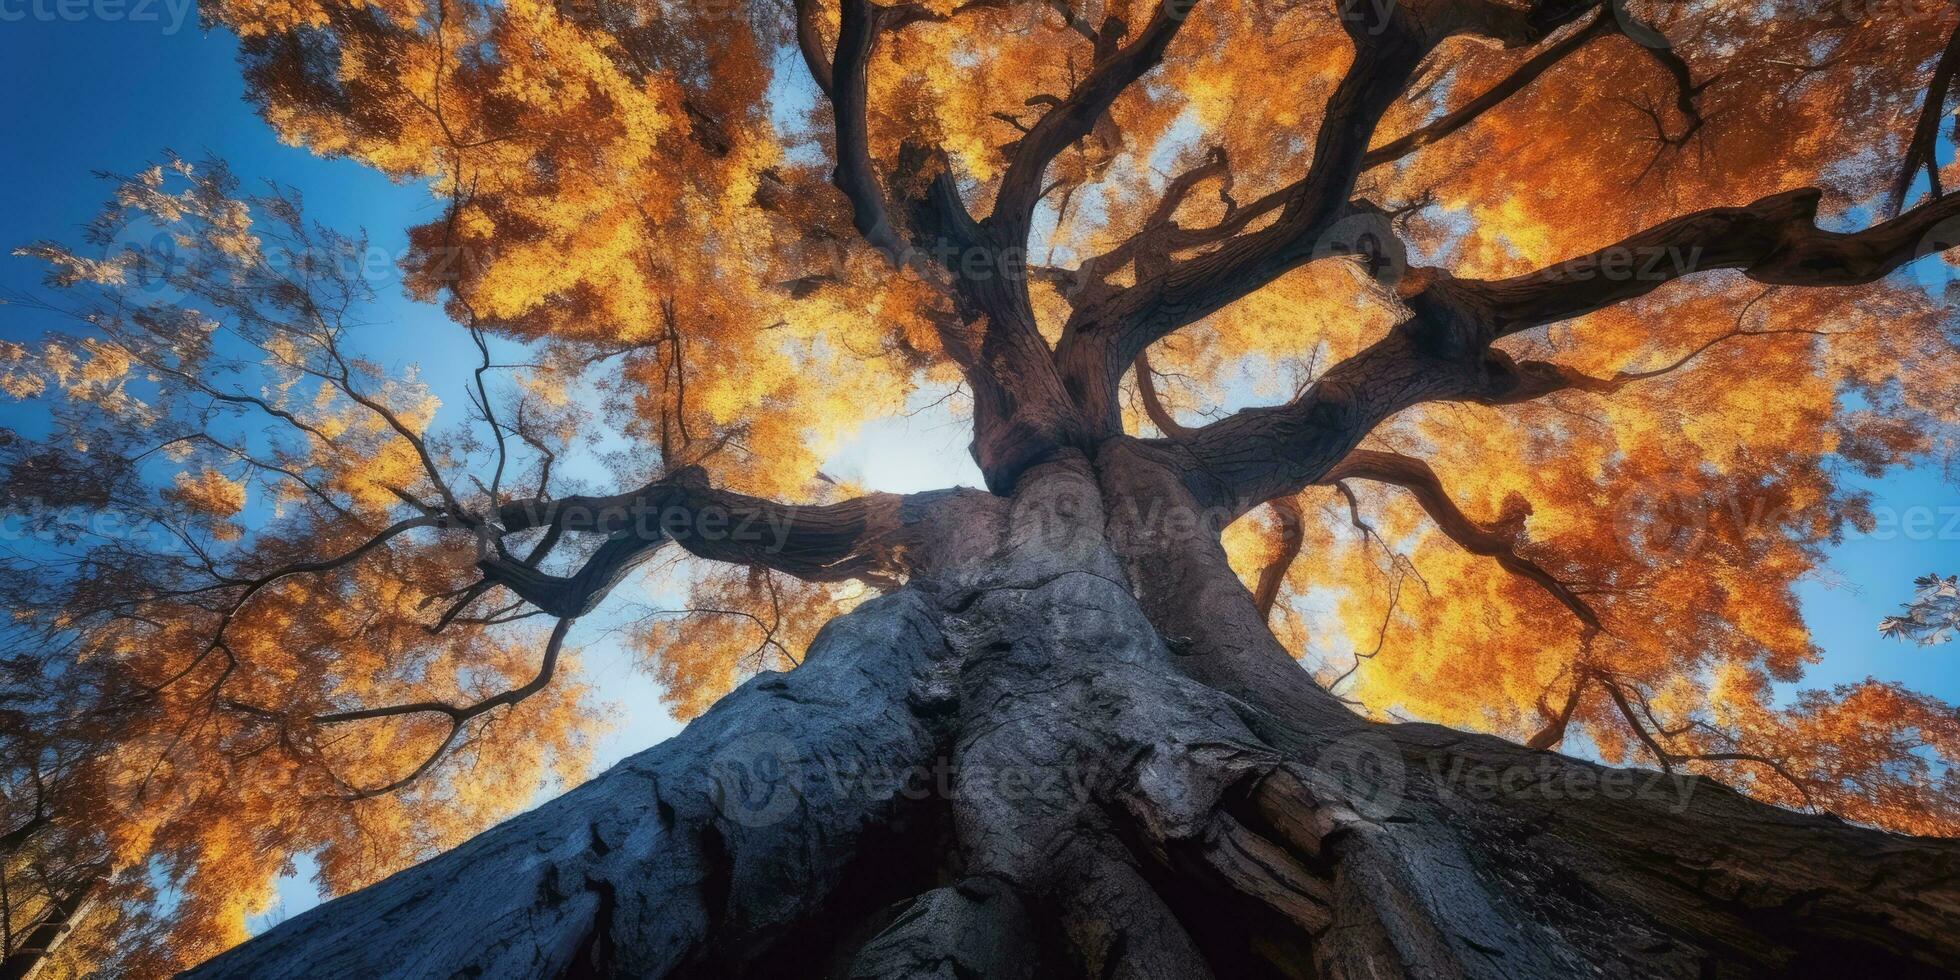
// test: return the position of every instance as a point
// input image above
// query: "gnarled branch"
(1499, 544)
(1774, 241)
(861, 538)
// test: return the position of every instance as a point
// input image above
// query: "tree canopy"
(1548, 268)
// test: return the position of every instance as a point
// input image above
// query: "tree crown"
(1530, 326)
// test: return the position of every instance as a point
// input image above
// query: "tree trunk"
(65, 910)
(1075, 750)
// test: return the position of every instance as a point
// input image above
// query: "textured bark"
(663, 865)
(1070, 747)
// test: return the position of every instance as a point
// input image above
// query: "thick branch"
(1021, 409)
(1102, 338)
(1775, 241)
(1111, 326)
(938, 220)
(1153, 404)
(1441, 352)
(1500, 544)
(1257, 454)
(1273, 574)
(1512, 84)
(861, 538)
(1168, 238)
(859, 25)
(1160, 236)
(1407, 472)
(1073, 117)
(809, 43)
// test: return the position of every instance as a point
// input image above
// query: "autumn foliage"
(269, 605)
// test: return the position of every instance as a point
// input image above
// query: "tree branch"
(1153, 405)
(863, 538)
(1103, 337)
(1557, 722)
(254, 586)
(1022, 410)
(1516, 82)
(1774, 241)
(1922, 152)
(1273, 574)
(1442, 350)
(457, 716)
(1667, 758)
(1164, 237)
(1535, 379)
(1073, 117)
(1110, 326)
(1500, 544)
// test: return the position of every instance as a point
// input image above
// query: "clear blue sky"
(94, 95)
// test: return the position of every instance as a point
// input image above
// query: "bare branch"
(1442, 350)
(253, 587)
(1381, 638)
(1536, 379)
(1103, 337)
(457, 716)
(1922, 152)
(1668, 758)
(1556, 722)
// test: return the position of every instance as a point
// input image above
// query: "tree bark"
(65, 910)
(1069, 746)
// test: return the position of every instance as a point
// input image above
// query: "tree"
(1931, 615)
(1592, 378)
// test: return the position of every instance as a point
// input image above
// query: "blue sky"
(92, 95)
(97, 95)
